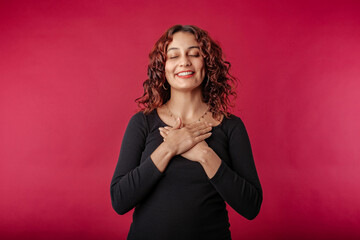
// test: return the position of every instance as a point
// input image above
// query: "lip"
(186, 76)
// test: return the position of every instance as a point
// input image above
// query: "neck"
(187, 105)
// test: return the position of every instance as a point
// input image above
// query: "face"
(184, 67)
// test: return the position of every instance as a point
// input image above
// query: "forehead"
(183, 40)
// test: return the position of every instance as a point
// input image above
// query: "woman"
(184, 155)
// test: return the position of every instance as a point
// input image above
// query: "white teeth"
(185, 73)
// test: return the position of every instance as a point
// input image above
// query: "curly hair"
(217, 86)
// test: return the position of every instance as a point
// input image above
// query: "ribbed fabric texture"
(182, 202)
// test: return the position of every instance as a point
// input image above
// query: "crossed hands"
(189, 141)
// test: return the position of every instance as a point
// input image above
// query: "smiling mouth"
(185, 74)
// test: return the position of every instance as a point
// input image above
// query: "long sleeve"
(239, 185)
(133, 181)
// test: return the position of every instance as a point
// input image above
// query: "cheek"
(168, 68)
(203, 73)
(200, 66)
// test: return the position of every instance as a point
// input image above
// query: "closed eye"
(191, 55)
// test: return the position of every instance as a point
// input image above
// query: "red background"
(70, 71)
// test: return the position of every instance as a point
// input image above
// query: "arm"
(133, 181)
(239, 186)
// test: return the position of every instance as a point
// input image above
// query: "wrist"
(210, 162)
(169, 149)
(205, 155)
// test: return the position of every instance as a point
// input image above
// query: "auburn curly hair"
(217, 86)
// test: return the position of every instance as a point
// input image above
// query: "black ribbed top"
(182, 202)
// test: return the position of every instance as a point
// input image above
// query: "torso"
(184, 204)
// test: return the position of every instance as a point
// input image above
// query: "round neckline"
(157, 115)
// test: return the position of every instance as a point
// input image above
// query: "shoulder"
(137, 117)
(234, 125)
(233, 120)
(138, 121)
(142, 120)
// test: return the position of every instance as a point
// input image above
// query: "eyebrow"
(174, 48)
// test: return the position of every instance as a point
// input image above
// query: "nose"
(184, 61)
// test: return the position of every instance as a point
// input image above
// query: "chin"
(186, 87)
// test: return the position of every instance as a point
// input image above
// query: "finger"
(203, 131)
(163, 134)
(168, 128)
(200, 127)
(195, 133)
(202, 137)
(166, 131)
